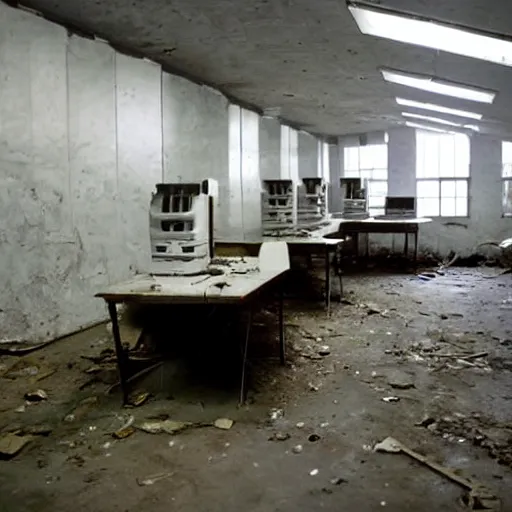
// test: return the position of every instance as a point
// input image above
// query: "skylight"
(438, 86)
(421, 126)
(440, 121)
(438, 108)
(432, 34)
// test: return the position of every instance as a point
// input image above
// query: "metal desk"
(239, 289)
(353, 228)
(298, 245)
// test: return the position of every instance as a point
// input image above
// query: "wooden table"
(245, 280)
(316, 243)
(354, 227)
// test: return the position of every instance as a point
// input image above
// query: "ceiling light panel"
(438, 86)
(438, 108)
(432, 34)
(421, 126)
(438, 120)
(429, 118)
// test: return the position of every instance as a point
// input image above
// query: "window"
(323, 164)
(442, 172)
(370, 162)
(506, 174)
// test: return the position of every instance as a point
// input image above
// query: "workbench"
(242, 281)
(354, 227)
(323, 241)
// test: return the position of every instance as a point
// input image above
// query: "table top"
(372, 220)
(316, 237)
(242, 278)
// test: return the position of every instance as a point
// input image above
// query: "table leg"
(356, 245)
(415, 248)
(340, 277)
(406, 244)
(282, 346)
(122, 359)
(367, 246)
(327, 279)
(243, 391)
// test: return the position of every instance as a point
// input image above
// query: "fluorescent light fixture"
(438, 120)
(438, 108)
(438, 86)
(430, 33)
(421, 126)
(429, 118)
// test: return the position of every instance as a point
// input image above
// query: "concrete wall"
(80, 151)
(195, 133)
(270, 148)
(309, 155)
(444, 234)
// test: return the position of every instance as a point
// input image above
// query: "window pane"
(378, 188)
(431, 162)
(365, 157)
(420, 156)
(376, 202)
(380, 174)
(507, 197)
(462, 156)
(380, 155)
(447, 207)
(446, 156)
(507, 171)
(461, 188)
(351, 174)
(351, 157)
(428, 188)
(461, 207)
(365, 174)
(506, 153)
(447, 190)
(428, 207)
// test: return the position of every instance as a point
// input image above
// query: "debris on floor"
(391, 399)
(123, 433)
(138, 398)
(143, 482)
(36, 396)
(399, 379)
(167, 426)
(279, 436)
(495, 438)
(275, 414)
(297, 449)
(223, 423)
(28, 368)
(478, 498)
(12, 443)
(83, 408)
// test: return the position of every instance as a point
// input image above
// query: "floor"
(439, 351)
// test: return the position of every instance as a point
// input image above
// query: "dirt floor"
(427, 362)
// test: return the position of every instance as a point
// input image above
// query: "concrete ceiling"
(305, 57)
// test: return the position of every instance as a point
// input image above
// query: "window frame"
(505, 179)
(357, 173)
(440, 179)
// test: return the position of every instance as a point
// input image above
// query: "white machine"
(311, 203)
(354, 196)
(181, 227)
(279, 207)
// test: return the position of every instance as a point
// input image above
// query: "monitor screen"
(401, 203)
